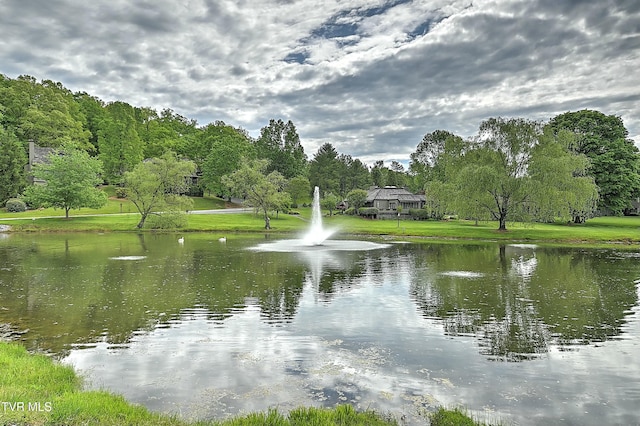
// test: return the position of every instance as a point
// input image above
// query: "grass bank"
(597, 231)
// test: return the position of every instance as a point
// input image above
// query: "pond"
(515, 333)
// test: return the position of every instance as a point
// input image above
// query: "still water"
(519, 334)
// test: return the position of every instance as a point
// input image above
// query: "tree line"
(577, 164)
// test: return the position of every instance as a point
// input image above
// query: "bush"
(368, 212)
(121, 192)
(350, 211)
(419, 214)
(15, 205)
(293, 212)
(169, 220)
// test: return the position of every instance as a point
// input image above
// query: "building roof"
(392, 193)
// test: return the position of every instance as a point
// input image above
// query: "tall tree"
(157, 186)
(260, 190)
(396, 175)
(379, 174)
(71, 178)
(433, 154)
(325, 169)
(353, 174)
(280, 144)
(493, 175)
(93, 110)
(615, 160)
(228, 147)
(121, 148)
(12, 162)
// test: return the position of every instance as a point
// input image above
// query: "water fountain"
(317, 237)
(316, 234)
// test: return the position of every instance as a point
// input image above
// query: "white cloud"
(370, 77)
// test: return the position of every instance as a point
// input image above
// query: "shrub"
(293, 212)
(15, 205)
(368, 212)
(169, 220)
(121, 192)
(419, 214)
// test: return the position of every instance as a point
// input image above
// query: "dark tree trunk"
(503, 223)
(140, 224)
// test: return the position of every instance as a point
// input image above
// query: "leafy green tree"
(433, 154)
(260, 190)
(71, 177)
(121, 148)
(167, 131)
(329, 202)
(229, 146)
(357, 198)
(156, 186)
(280, 144)
(12, 162)
(94, 112)
(615, 160)
(45, 112)
(298, 187)
(325, 169)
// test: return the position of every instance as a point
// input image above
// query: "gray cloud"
(370, 77)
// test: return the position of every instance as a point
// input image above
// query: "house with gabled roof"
(388, 199)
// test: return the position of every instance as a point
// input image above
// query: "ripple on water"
(128, 257)
(462, 274)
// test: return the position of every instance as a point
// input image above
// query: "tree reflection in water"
(521, 300)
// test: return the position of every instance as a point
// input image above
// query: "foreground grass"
(34, 390)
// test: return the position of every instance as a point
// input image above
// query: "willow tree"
(492, 176)
(561, 184)
(515, 171)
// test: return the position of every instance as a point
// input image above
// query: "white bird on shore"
(223, 239)
(181, 240)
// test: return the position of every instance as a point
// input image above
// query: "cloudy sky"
(369, 76)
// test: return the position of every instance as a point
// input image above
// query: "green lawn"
(602, 230)
(114, 205)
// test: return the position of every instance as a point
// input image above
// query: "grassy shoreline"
(601, 231)
(36, 390)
